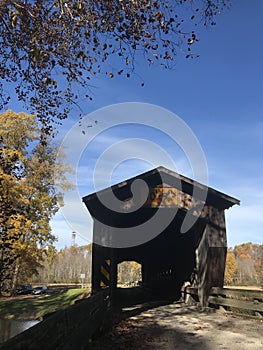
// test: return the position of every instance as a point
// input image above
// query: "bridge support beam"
(211, 256)
(104, 269)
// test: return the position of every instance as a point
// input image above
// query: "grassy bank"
(34, 307)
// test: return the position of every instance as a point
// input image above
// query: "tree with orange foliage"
(231, 268)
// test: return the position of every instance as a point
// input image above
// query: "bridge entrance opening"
(129, 274)
(126, 231)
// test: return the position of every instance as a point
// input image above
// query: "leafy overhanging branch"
(47, 48)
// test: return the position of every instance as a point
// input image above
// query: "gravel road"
(177, 326)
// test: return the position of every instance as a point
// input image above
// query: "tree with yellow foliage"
(28, 196)
(231, 268)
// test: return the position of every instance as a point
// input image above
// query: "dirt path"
(175, 326)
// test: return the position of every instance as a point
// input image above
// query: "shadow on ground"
(136, 325)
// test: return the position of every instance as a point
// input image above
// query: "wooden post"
(211, 255)
(95, 273)
(113, 276)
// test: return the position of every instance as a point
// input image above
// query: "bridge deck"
(150, 325)
(176, 326)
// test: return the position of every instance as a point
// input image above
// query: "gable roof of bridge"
(164, 177)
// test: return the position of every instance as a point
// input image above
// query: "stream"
(10, 328)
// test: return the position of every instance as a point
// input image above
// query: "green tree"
(28, 197)
(75, 40)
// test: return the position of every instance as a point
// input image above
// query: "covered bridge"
(173, 226)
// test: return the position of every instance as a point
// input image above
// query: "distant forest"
(244, 266)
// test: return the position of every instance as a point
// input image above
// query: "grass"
(35, 307)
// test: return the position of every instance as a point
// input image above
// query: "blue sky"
(218, 95)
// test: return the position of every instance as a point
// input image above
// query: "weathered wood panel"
(211, 255)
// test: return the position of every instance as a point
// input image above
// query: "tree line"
(68, 264)
(244, 265)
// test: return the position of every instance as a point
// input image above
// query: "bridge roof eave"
(122, 190)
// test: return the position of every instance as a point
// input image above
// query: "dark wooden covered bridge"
(144, 224)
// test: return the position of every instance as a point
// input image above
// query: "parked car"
(40, 290)
(24, 289)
